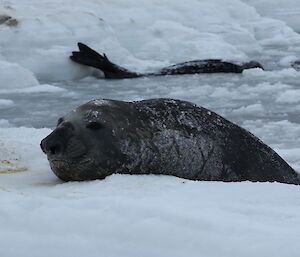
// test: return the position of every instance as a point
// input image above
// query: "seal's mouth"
(68, 170)
(57, 165)
(68, 160)
(57, 160)
(69, 165)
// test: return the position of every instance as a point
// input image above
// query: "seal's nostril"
(54, 144)
(55, 149)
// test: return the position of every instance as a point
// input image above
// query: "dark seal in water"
(89, 57)
(159, 136)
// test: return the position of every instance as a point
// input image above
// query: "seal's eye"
(68, 125)
(94, 125)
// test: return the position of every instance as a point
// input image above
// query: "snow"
(146, 215)
(149, 216)
(139, 215)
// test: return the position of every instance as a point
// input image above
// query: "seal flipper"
(89, 57)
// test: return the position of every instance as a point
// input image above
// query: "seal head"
(77, 148)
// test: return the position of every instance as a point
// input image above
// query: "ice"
(4, 123)
(253, 109)
(287, 11)
(4, 103)
(272, 75)
(146, 215)
(141, 36)
(289, 96)
(15, 76)
(288, 60)
(44, 88)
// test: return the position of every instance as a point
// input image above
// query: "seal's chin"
(59, 164)
(68, 170)
(61, 169)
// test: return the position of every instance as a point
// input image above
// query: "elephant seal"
(89, 57)
(159, 136)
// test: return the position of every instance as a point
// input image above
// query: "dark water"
(238, 97)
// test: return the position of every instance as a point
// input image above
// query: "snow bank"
(141, 35)
(150, 216)
(136, 215)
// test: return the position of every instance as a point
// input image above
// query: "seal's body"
(159, 136)
(89, 57)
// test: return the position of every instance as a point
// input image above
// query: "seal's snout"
(51, 147)
(53, 144)
(63, 144)
(42, 146)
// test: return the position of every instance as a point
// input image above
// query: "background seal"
(90, 57)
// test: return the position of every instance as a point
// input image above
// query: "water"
(239, 98)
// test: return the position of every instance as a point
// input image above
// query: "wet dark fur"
(159, 136)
